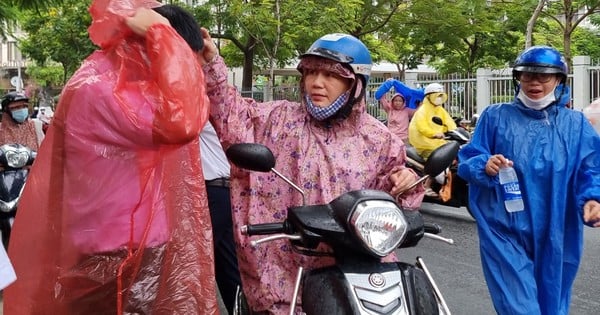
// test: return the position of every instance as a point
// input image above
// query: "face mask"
(537, 104)
(437, 101)
(322, 113)
(20, 115)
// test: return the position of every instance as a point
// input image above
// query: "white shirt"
(214, 161)
(7, 273)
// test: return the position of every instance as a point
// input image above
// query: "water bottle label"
(512, 191)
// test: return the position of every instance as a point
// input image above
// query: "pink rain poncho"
(324, 160)
(114, 217)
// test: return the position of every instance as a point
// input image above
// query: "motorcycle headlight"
(380, 225)
(16, 158)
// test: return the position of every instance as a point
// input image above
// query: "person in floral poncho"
(327, 144)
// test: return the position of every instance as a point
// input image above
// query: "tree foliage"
(568, 15)
(9, 11)
(58, 34)
(259, 35)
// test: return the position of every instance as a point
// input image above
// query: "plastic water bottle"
(511, 189)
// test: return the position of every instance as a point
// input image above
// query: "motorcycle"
(15, 160)
(459, 196)
(360, 227)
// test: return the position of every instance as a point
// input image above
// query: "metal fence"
(470, 93)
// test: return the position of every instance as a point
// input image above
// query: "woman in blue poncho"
(530, 257)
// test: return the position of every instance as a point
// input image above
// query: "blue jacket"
(412, 97)
(530, 258)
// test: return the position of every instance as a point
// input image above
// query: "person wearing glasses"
(530, 257)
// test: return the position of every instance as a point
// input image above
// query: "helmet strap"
(346, 110)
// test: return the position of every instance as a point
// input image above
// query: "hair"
(184, 23)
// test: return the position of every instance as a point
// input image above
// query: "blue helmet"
(541, 59)
(346, 49)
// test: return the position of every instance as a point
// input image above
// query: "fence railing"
(469, 94)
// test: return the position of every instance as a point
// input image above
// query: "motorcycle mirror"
(441, 158)
(251, 156)
(437, 120)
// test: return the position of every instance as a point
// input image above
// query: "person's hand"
(401, 180)
(439, 135)
(209, 52)
(495, 162)
(591, 212)
(143, 18)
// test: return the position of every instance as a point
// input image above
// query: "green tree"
(568, 15)
(463, 35)
(270, 33)
(9, 11)
(58, 34)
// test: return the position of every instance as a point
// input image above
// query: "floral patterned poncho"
(324, 160)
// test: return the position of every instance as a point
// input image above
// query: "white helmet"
(434, 88)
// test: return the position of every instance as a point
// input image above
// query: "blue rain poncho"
(411, 96)
(530, 258)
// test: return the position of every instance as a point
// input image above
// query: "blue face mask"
(20, 115)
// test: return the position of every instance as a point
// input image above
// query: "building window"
(13, 53)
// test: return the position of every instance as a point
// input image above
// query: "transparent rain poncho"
(114, 217)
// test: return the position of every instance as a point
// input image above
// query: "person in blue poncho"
(530, 257)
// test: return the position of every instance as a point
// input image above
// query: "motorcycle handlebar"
(263, 229)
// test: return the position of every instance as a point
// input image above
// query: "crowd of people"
(132, 206)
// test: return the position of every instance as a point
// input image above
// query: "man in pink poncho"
(114, 217)
(327, 144)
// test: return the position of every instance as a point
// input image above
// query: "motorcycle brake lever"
(254, 243)
(439, 238)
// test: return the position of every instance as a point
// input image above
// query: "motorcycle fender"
(376, 288)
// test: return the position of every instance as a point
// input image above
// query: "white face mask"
(537, 104)
(438, 100)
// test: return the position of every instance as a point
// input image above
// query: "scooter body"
(15, 160)
(360, 227)
(460, 190)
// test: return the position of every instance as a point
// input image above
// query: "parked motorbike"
(15, 160)
(360, 227)
(459, 188)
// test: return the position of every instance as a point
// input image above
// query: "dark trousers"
(226, 265)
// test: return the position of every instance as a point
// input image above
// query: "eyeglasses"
(540, 77)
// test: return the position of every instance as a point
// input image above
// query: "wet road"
(457, 269)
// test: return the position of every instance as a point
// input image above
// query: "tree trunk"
(531, 23)
(248, 65)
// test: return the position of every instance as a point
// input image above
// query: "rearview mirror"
(437, 120)
(251, 156)
(441, 158)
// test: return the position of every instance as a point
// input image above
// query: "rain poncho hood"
(115, 200)
(422, 129)
(530, 258)
(325, 159)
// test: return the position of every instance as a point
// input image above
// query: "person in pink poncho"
(114, 217)
(327, 144)
(398, 115)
